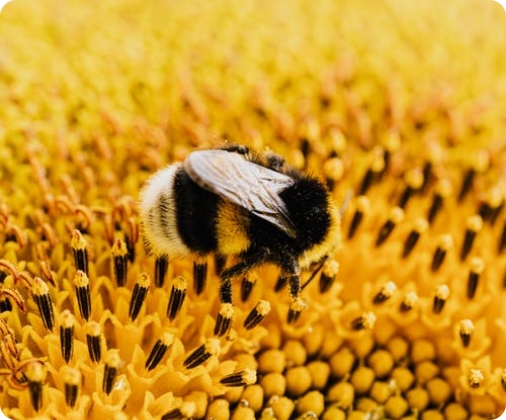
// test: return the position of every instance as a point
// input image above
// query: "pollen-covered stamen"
(329, 273)
(466, 329)
(120, 261)
(257, 314)
(443, 190)
(72, 382)
(385, 293)
(82, 289)
(372, 173)
(93, 340)
(476, 378)
(241, 378)
(159, 350)
(41, 296)
(479, 164)
(295, 310)
(177, 297)
(490, 208)
(473, 226)
(66, 321)
(111, 368)
(445, 244)
(35, 373)
(414, 181)
(476, 268)
(421, 226)
(210, 348)
(362, 207)
(80, 249)
(247, 284)
(396, 215)
(440, 297)
(199, 276)
(224, 319)
(139, 293)
(161, 267)
(364, 322)
(185, 411)
(409, 302)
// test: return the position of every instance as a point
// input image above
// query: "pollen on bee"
(224, 319)
(210, 348)
(82, 289)
(177, 297)
(257, 314)
(41, 296)
(241, 378)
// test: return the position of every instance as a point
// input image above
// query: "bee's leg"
(291, 271)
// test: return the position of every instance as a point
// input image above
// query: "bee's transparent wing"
(235, 179)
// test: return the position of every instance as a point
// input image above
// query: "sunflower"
(396, 106)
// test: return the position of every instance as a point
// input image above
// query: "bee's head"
(314, 216)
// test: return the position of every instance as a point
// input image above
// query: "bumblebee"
(232, 202)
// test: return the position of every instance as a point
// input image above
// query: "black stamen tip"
(224, 319)
(159, 350)
(93, 340)
(120, 262)
(41, 296)
(139, 295)
(199, 277)
(82, 289)
(202, 353)
(240, 379)
(111, 368)
(161, 267)
(177, 297)
(246, 288)
(257, 314)
(66, 334)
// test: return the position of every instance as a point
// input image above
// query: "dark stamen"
(396, 215)
(329, 273)
(159, 350)
(295, 310)
(466, 331)
(199, 277)
(72, 381)
(138, 295)
(257, 314)
(445, 244)
(41, 296)
(66, 334)
(35, 374)
(474, 276)
(210, 348)
(474, 224)
(247, 284)
(385, 293)
(364, 322)
(161, 267)
(224, 319)
(93, 340)
(440, 298)
(111, 368)
(120, 262)
(80, 249)
(241, 378)
(412, 239)
(408, 302)
(82, 289)
(177, 297)
(282, 282)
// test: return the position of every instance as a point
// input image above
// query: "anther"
(473, 226)
(159, 350)
(440, 297)
(414, 181)
(479, 165)
(296, 308)
(282, 282)
(443, 190)
(111, 368)
(80, 249)
(177, 297)
(14, 295)
(82, 289)
(120, 261)
(224, 319)
(210, 348)
(489, 209)
(66, 334)
(372, 173)
(35, 374)
(241, 378)
(72, 381)
(385, 293)
(476, 378)
(161, 267)
(93, 340)
(361, 208)
(132, 237)
(41, 296)
(421, 226)
(219, 263)
(257, 314)
(247, 284)
(445, 244)
(466, 329)
(396, 215)
(476, 268)
(365, 321)
(502, 240)
(503, 379)
(199, 277)
(138, 295)
(409, 302)
(329, 273)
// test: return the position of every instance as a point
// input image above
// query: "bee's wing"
(251, 186)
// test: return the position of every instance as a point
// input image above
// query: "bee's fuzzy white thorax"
(158, 213)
